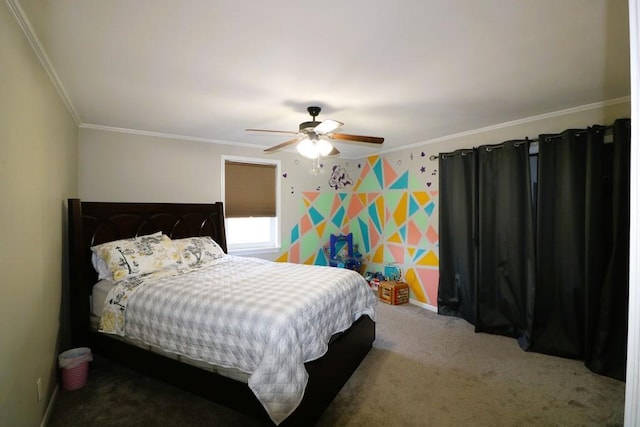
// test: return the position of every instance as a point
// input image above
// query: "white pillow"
(136, 256)
(199, 251)
(101, 267)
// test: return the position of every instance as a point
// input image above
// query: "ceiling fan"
(312, 137)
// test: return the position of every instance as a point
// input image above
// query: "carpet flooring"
(424, 370)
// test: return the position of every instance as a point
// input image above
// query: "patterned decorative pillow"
(137, 256)
(199, 251)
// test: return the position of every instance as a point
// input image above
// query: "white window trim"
(278, 222)
(632, 387)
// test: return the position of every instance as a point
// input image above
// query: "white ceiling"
(409, 71)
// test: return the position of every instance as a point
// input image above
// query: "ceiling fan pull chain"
(316, 168)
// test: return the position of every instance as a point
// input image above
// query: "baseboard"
(47, 414)
(423, 305)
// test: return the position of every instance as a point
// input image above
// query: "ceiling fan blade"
(281, 146)
(356, 138)
(272, 131)
(333, 152)
(327, 126)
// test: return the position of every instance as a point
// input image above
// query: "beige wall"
(38, 172)
(124, 167)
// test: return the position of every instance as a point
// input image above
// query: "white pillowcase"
(199, 251)
(101, 267)
(122, 259)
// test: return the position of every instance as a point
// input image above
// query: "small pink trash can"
(75, 367)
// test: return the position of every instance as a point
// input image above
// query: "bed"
(95, 223)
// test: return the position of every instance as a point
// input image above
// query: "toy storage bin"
(393, 292)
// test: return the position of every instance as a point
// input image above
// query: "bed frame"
(92, 223)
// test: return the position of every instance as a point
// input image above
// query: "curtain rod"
(526, 139)
(579, 132)
(516, 142)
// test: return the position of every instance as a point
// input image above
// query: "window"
(251, 195)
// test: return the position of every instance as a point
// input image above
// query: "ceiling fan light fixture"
(308, 149)
(312, 147)
(324, 147)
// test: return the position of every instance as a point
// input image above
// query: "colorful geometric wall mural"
(391, 214)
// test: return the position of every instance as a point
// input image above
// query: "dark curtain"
(583, 244)
(458, 249)
(560, 293)
(607, 352)
(506, 262)
(555, 277)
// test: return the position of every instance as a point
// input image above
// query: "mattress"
(258, 317)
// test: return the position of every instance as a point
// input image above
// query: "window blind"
(249, 189)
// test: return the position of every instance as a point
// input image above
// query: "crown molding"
(587, 107)
(581, 108)
(184, 137)
(167, 135)
(34, 41)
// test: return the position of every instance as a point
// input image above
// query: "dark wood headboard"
(92, 223)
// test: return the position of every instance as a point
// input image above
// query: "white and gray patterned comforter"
(261, 317)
